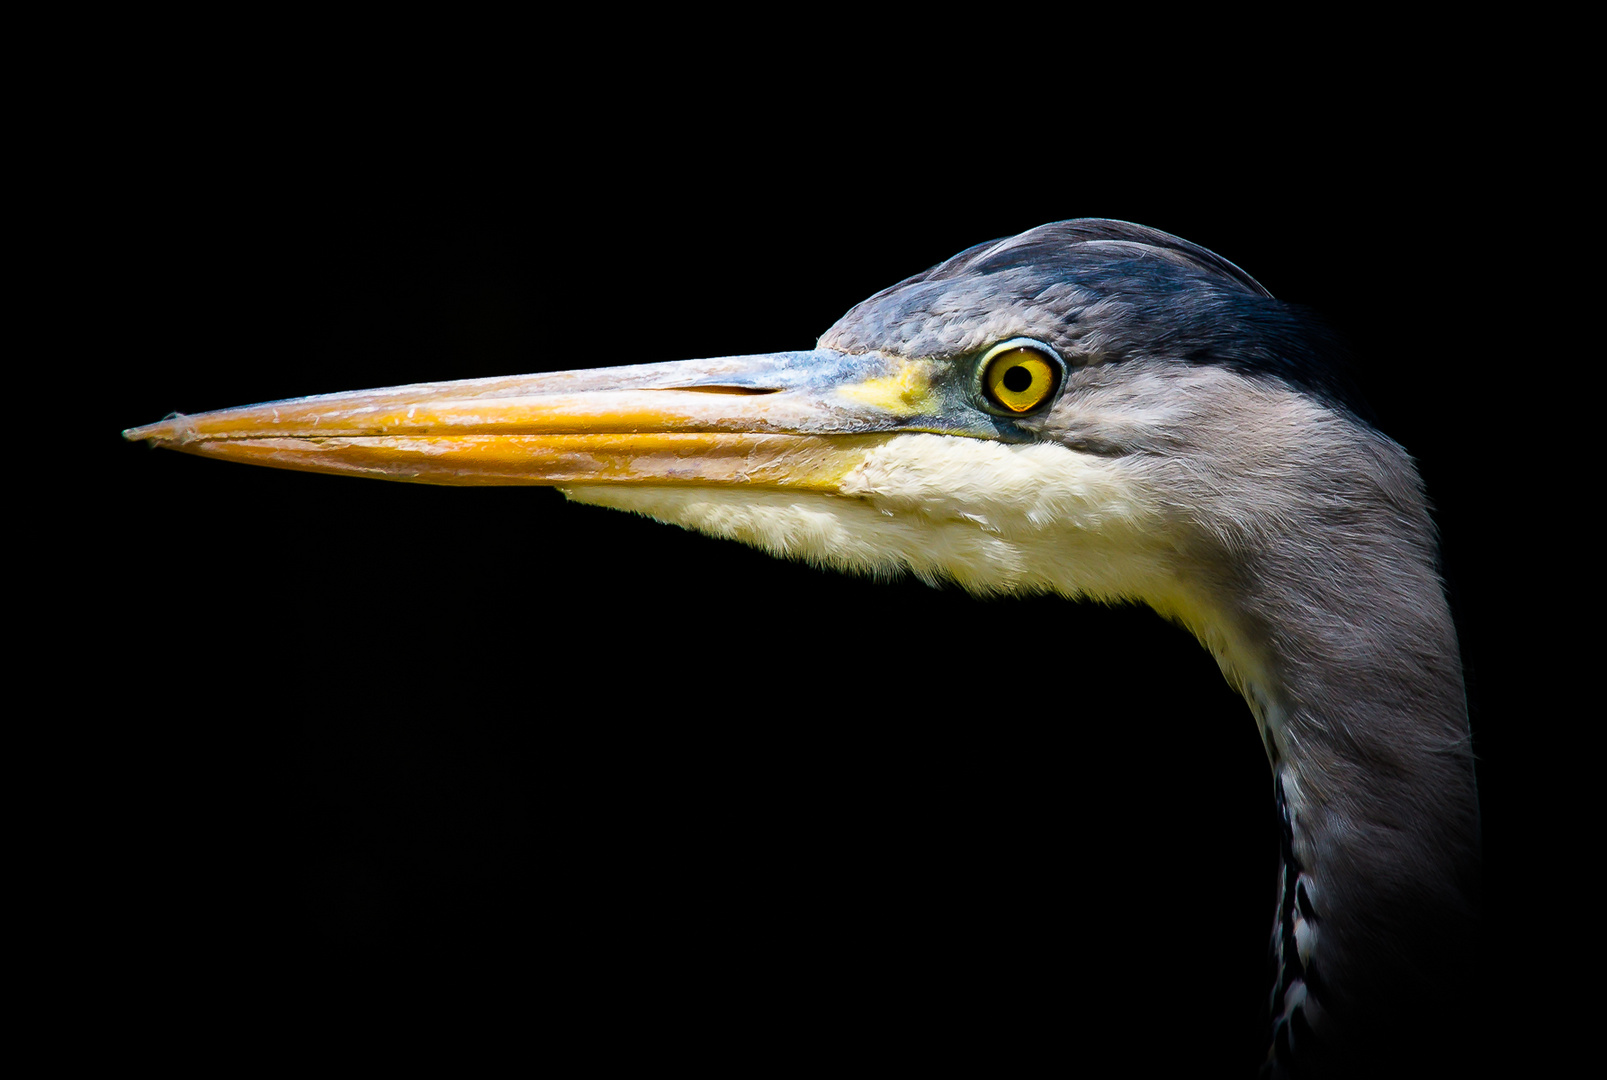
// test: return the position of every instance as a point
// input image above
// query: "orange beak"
(799, 420)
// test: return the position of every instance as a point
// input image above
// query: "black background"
(643, 788)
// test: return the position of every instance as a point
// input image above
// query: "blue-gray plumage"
(1093, 409)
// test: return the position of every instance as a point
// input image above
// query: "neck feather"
(1352, 668)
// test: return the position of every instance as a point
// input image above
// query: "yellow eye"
(1020, 379)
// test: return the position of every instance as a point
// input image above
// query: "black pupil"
(1017, 379)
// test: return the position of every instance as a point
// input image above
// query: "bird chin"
(903, 511)
(823, 530)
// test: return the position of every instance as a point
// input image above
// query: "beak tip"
(173, 428)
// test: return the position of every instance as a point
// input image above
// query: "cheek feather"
(990, 517)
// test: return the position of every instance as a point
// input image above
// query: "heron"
(1097, 410)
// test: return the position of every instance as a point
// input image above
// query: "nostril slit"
(741, 391)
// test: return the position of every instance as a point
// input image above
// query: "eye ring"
(1019, 376)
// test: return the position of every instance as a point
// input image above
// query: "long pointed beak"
(794, 420)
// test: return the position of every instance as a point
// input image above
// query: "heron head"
(1091, 407)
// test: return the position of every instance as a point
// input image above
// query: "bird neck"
(1356, 681)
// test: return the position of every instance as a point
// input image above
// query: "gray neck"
(1364, 716)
